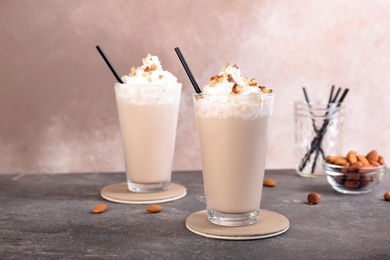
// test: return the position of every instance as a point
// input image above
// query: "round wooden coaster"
(120, 193)
(269, 224)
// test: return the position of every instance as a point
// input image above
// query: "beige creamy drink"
(157, 130)
(233, 116)
(233, 163)
(148, 106)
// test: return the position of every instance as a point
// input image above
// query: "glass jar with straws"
(318, 131)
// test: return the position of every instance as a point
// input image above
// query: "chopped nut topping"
(230, 78)
(151, 68)
(149, 56)
(230, 75)
(160, 76)
(133, 71)
(214, 77)
(224, 68)
(220, 78)
(212, 83)
(265, 90)
(252, 83)
(237, 89)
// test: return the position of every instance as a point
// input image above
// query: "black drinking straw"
(331, 95)
(109, 64)
(319, 148)
(343, 96)
(188, 71)
(337, 94)
(316, 142)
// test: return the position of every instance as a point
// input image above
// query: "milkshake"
(148, 107)
(233, 115)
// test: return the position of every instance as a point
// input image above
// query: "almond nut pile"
(355, 160)
(356, 167)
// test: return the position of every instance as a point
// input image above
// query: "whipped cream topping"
(149, 73)
(148, 84)
(231, 82)
(229, 94)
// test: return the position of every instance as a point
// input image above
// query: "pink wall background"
(57, 105)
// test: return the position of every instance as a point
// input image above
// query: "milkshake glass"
(233, 132)
(148, 112)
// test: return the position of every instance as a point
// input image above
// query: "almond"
(373, 156)
(387, 196)
(374, 163)
(357, 164)
(352, 156)
(363, 170)
(363, 160)
(381, 160)
(351, 152)
(269, 183)
(100, 208)
(154, 208)
(313, 198)
(346, 165)
(351, 184)
(340, 160)
(330, 159)
(354, 167)
(364, 181)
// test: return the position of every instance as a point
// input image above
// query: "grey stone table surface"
(48, 216)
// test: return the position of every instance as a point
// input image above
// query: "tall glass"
(148, 115)
(233, 133)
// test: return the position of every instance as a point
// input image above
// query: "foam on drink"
(137, 87)
(230, 94)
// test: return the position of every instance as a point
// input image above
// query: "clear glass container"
(318, 133)
(354, 180)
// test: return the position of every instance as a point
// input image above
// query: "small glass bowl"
(354, 180)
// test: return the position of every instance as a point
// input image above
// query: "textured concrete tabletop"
(49, 217)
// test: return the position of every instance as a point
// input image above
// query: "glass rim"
(339, 167)
(151, 84)
(301, 104)
(302, 107)
(235, 96)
